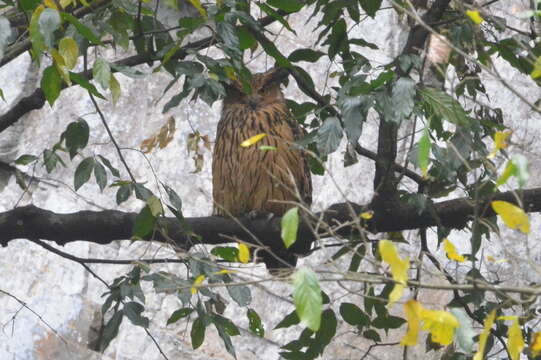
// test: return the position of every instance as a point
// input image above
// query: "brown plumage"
(247, 179)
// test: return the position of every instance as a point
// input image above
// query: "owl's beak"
(253, 101)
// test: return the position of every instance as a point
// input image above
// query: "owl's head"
(265, 90)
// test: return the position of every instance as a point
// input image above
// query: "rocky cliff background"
(65, 299)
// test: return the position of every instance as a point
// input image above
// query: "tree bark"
(103, 227)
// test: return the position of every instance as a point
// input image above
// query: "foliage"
(453, 152)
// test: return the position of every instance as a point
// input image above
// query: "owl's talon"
(257, 214)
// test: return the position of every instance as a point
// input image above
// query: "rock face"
(51, 306)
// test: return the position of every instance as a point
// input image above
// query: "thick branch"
(104, 227)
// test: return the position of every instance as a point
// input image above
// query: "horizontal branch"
(103, 227)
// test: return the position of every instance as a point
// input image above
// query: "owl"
(248, 180)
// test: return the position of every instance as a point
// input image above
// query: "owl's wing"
(304, 181)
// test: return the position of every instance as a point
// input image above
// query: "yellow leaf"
(513, 216)
(197, 283)
(450, 251)
(500, 142)
(68, 48)
(399, 268)
(535, 346)
(114, 85)
(155, 206)
(536, 68)
(489, 321)
(65, 3)
(367, 215)
(50, 4)
(254, 139)
(244, 253)
(474, 16)
(492, 259)
(224, 271)
(396, 293)
(440, 324)
(515, 342)
(413, 314)
(197, 5)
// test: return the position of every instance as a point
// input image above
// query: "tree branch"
(103, 227)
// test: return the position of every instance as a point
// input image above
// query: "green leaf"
(275, 15)
(517, 166)
(239, 293)
(49, 21)
(246, 39)
(290, 225)
(329, 135)
(227, 253)
(363, 43)
(133, 311)
(325, 333)
(388, 322)
(179, 314)
(141, 192)
(50, 159)
(198, 332)
(226, 329)
(353, 315)
(254, 323)
(370, 6)
(110, 330)
(128, 71)
(123, 193)
(84, 83)
(338, 39)
(144, 223)
(111, 168)
(444, 106)
(29, 5)
(82, 29)
(307, 297)
(5, 34)
(36, 37)
(354, 110)
(403, 96)
(51, 83)
(289, 320)
(102, 73)
(464, 333)
(100, 175)
(308, 55)
(25, 159)
(273, 51)
(373, 335)
(424, 151)
(76, 136)
(223, 322)
(289, 6)
(83, 172)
